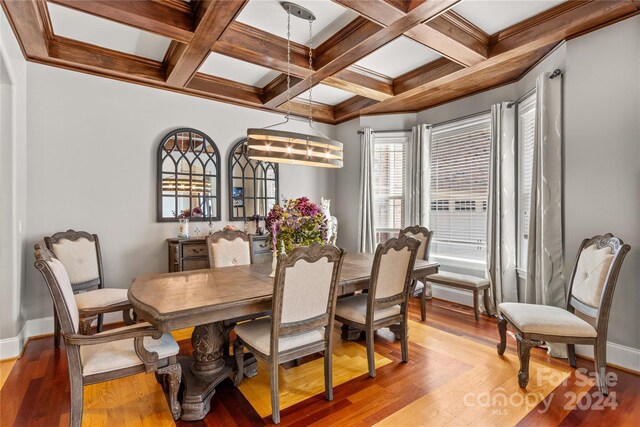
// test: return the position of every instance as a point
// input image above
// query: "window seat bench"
(463, 281)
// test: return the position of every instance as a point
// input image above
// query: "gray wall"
(92, 156)
(602, 157)
(13, 179)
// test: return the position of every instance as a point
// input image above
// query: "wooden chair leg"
(571, 352)
(371, 357)
(238, 352)
(502, 330)
(100, 322)
(600, 363)
(173, 375)
(404, 340)
(275, 400)
(524, 349)
(76, 400)
(476, 309)
(423, 302)
(56, 329)
(328, 374)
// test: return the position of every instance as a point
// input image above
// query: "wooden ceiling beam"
(560, 23)
(350, 107)
(98, 60)
(448, 34)
(360, 42)
(212, 18)
(361, 82)
(147, 15)
(427, 73)
(246, 43)
(27, 23)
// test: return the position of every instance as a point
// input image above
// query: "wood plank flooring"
(454, 377)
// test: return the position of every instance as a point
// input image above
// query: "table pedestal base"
(198, 391)
(349, 333)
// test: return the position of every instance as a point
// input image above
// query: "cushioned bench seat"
(463, 281)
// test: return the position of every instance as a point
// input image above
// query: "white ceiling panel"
(493, 16)
(236, 70)
(102, 32)
(398, 57)
(269, 16)
(325, 95)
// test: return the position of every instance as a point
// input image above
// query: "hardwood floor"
(454, 377)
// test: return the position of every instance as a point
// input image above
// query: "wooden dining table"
(205, 299)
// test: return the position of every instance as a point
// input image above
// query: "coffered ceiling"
(369, 56)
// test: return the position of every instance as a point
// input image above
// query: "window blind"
(526, 135)
(390, 169)
(459, 170)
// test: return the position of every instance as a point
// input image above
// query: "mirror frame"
(218, 189)
(230, 162)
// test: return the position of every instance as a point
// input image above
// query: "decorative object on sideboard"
(284, 142)
(332, 221)
(297, 222)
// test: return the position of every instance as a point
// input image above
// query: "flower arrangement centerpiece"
(297, 222)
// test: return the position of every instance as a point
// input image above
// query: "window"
(526, 129)
(389, 170)
(459, 171)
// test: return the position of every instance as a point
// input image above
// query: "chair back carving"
(79, 252)
(60, 288)
(228, 247)
(304, 294)
(594, 277)
(423, 235)
(391, 273)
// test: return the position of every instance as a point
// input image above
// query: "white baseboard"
(12, 347)
(617, 354)
(447, 293)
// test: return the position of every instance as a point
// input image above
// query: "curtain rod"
(556, 73)
(360, 132)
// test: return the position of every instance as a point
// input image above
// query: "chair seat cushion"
(459, 280)
(257, 334)
(101, 298)
(545, 319)
(121, 354)
(355, 309)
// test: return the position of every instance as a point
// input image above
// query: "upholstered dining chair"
(301, 322)
(424, 236)
(106, 355)
(387, 300)
(80, 254)
(593, 281)
(228, 248)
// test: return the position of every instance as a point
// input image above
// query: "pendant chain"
(288, 62)
(310, 71)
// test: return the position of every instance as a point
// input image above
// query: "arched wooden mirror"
(253, 185)
(188, 177)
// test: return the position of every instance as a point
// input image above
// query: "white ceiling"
(102, 32)
(492, 16)
(324, 94)
(269, 16)
(236, 70)
(398, 57)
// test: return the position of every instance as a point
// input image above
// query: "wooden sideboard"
(192, 254)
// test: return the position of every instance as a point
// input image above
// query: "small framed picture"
(238, 197)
